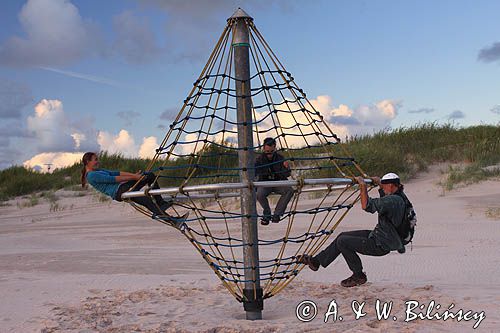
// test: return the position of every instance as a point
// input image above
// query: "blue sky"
(74, 70)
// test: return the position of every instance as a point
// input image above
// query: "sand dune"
(101, 267)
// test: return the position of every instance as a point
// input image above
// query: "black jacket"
(391, 210)
(271, 169)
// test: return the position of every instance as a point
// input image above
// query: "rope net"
(201, 147)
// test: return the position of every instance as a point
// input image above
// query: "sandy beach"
(96, 266)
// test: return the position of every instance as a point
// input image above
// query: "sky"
(96, 75)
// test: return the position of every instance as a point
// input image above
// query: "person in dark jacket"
(271, 166)
(377, 242)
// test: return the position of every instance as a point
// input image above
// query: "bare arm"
(127, 176)
(123, 173)
(363, 192)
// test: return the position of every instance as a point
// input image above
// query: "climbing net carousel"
(206, 164)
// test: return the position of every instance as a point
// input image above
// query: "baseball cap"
(390, 178)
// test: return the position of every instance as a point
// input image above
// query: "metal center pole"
(253, 302)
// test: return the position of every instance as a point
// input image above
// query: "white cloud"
(363, 119)
(148, 147)
(53, 131)
(342, 120)
(55, 34)
(49, 125)
(122, 143)
(58, 160)
(78, 138)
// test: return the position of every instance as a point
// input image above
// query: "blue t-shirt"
(104, 181)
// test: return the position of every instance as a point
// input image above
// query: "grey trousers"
(350, 243)
(286, 194)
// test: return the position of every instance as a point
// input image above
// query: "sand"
(101, 267)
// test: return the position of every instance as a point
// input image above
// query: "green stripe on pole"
(240, 44)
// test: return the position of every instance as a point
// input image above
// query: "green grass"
(468, 174)
(31, 201)
(493, 213)
(406, 151)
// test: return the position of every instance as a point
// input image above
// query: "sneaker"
(309, 261)
(166, 205)
(176, 221)
(354, 280)
(275, 219)
(264, 221)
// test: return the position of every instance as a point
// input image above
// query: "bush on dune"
(406, 151)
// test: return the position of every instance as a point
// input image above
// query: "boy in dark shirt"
(271, 166)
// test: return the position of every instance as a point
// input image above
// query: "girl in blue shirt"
(115, 183)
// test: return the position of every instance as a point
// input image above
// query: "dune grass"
(406, 151)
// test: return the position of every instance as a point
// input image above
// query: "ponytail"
(83, 177)
(85, 160)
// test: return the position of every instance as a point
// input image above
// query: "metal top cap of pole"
(240, 13)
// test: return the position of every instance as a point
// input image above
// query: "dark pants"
(351, 243)
(145, 201)
(286, 194)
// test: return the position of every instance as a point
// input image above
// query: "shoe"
(275, 219)
(354, 280)
(264, 221)
(166, 205)
(176, 221)
(309, 261)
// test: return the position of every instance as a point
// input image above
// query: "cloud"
(192, 26)
(169, 113)
(148, 147)
(54, 132)
(48, 125)
(134, 41)
(58, 160)
(422, 110)
(360, 120)
(495, 109)
(457, 114)
(14, 97)
(122, 143)
(128, 116)
(341, 120)
(490, 53)
(55, 137)
(55, 34)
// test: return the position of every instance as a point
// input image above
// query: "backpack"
(406, 229)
